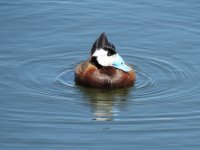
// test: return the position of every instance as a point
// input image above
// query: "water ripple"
(157, 81)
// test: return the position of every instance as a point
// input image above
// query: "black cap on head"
(102, 42)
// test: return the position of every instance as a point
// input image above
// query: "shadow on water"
(105, 103)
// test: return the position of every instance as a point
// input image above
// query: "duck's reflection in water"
(106, 104)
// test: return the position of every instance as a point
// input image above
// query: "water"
(41, 107)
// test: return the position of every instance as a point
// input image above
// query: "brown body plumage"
(90, 74)
(109, 77)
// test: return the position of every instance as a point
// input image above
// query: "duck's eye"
(109, 54)
(110, 51)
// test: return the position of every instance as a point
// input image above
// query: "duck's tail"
(101, 42)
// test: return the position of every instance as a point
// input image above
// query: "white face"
(103, 59)
(114, 60)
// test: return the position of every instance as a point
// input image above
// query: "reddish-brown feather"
(106, 77)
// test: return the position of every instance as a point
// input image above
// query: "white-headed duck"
(105, 68)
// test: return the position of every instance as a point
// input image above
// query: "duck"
(104, 68)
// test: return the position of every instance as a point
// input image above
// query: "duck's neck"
(95, 62)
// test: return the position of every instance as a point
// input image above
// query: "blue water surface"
(41, 107)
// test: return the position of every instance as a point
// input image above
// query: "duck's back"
(106, 77)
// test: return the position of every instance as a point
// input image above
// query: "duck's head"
(103, 54)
